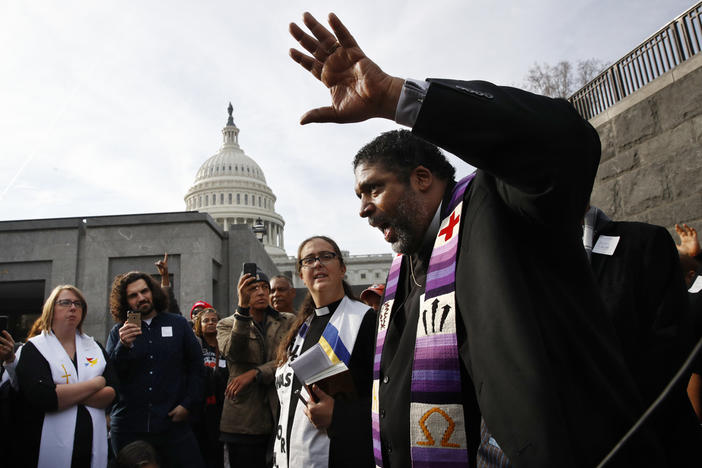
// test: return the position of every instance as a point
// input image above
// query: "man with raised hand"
(493, 347)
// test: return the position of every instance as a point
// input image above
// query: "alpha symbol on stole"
(448, 230)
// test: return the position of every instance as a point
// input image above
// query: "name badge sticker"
(606, 245)
(166, 331)
(696, 286)
(222, 363)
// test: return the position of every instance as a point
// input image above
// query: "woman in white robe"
(326, 430)
(65, 384)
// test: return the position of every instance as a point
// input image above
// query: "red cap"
(378, 289)
(199, 304)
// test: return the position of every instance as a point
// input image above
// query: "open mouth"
(388, 233)
(384, 227)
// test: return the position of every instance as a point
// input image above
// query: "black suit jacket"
(539, 354)
(644, 291)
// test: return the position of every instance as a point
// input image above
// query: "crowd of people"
(519, 325)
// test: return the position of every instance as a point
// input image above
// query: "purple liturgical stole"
(437, 426)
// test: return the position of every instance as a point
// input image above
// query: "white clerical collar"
(328, 309)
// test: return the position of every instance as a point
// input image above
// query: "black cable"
(654, 406)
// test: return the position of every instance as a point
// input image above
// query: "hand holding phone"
(250, 268)
(134, 317)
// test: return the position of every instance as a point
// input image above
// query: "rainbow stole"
(437, 426)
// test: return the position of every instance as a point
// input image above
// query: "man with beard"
(160, 368)
(493, 347)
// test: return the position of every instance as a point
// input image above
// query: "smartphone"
(134, 317)
(3, 323)
(250, 268)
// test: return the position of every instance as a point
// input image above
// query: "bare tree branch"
(562, 79)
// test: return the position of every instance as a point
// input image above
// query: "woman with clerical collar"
(65, 384)
(327, 422)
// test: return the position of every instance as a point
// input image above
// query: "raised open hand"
(359, 89)
(689, 244)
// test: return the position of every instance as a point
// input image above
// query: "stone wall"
(204, 261)
(651, 166)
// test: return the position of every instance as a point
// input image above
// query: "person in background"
(248, 340)
(318, 429)
(691, 263)
(693, 271)
(7, 354)
(138, 454)
(8, 398)
(197, 307)
(65, 383)
(216, 375)
(372, 295)
(282, 294)
(159, 364)
(637, 269)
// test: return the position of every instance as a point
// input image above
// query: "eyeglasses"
(68, 302)
(323, 257)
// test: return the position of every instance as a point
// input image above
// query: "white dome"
(230, 162)
(232, 188)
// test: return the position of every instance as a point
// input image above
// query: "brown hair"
(308, 306)
(118, 295)
(197, 321)
(43, 323)
(34, 330)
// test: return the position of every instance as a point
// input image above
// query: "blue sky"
(111, 107)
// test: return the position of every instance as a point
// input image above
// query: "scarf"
(437, 427)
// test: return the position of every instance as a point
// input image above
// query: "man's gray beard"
(408, 217)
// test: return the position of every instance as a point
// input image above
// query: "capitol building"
(229, 218)
(231, 187)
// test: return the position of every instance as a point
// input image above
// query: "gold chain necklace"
(412, 273)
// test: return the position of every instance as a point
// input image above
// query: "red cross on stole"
(448, 230)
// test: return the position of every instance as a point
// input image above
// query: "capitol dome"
(232, 188)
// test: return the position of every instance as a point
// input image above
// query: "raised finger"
(165, 257)
(311, 44)
(324, 36)
(310, 64)
(342, 34)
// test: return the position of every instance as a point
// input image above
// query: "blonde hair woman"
(65, 384)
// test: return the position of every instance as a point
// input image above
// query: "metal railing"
(666, 49)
